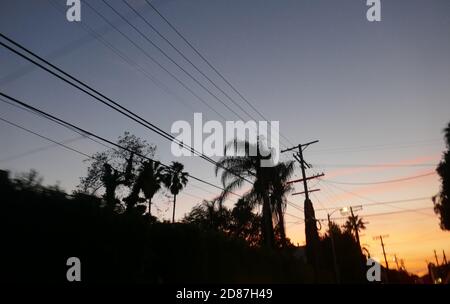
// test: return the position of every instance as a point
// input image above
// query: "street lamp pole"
(336, 268)
(333, 246)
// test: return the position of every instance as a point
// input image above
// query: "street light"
(336, 269)
(351, 209)
(344, 211)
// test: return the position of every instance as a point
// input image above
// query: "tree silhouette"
(240, 222)
(350, 260)
(209, 216)
(236, 168)
(148, 181)
(114, 168)
(152, 176)
(119, 249)
(246, 224)
(353, 226)
(442, 200)
(175, 180)
(281, 173)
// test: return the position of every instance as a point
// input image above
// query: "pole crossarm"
(307, 178)
(301, 146)
(303, 192)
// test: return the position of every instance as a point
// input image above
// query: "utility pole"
(402, 264)
(336, 268)
(445, 258)
(303, 164)
(311, 233)
(355, 227)
(435, 256)
(396, 261)
(380, 237)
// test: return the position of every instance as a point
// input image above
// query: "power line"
(155, 61)
(92, 139)
(371, 200)
(192, 195)
(33, 110)
(390, 202)
(40, 149)
(379, 146)
(383, 182)
(45, 137)
(297, 217)
(386, 213)
(88, 133)
(172, 60)
(62, 144)
(128, 60)
(382, 213)
(210, 192)
(295, 206)
(116, 106)
(210, 65)
(185, 58)
(37, 114)
(189, 61)
(64, 50)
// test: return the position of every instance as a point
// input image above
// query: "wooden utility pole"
(402, 264)
(445, 258)
(333, 247)
(396, 261)
(435, 256)
(355, 227)
(380, 237)
(311, 233)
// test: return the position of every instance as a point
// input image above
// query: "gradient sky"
(372, 93)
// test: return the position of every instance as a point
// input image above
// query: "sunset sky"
(376, 95)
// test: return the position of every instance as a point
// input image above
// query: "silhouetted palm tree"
(237, 168)
(175, 180)
(152, 176)
(281, 174)
(354, 222)
(148, 180)
(354, 225)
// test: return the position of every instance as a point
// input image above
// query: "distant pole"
(396, 261)
(355, 227)
(380, 237)
(336, 269)
(384, 252)
(402, 264)
(435, 256)
(445, 258)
